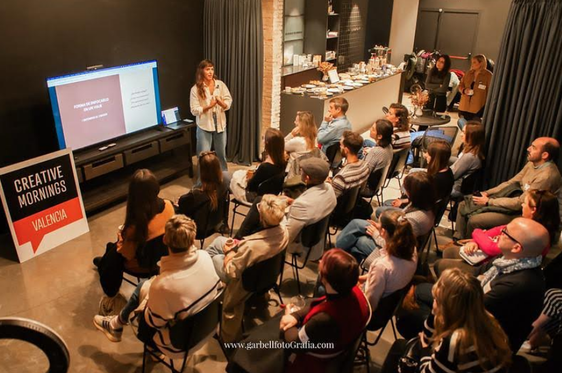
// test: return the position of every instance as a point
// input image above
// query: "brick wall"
(272, 14)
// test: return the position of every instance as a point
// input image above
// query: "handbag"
(410, 360)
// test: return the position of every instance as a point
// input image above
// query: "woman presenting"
(209, 99)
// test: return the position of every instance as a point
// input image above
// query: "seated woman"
(232, 258)
(210, 194)
(470, 157)
(380, 155)
(460, 335)
(437, 83)
(393, 266)
(339, 317)
(245, 183)
(398, 115)
(539, 205)
(145, 220)
(302, 138)
(437, 158)
(360, 237)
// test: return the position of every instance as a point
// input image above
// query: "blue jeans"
(355, 240)
(217, 255)
(367, 143)
(207, 139)
(432, 133)
(386, 206)
(132, 303)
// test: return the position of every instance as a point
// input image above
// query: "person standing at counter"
(437, 83)
(209, 99)
(474, 88)
(334, 124)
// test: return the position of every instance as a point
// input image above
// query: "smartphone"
(477, 194)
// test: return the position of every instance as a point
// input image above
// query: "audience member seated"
(245, 183)
(360, 237)
(392, 267)
(186, 284)
(539, 205)
(398, 115)
(145, 219)
(459, 335)
(379, 156)
(334, 123)
(549, 323)
(513, 284)
(213, 187)
(231, 259)
(437, 157)
(470, 157)
(437, 83)
(355, 171)
(338, 318)
(301, 144)
(499, 205)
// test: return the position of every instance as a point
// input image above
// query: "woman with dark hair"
(460, 335)
(360, 237)
(145, 220)
(474, 88)
(399, 116)
(437, 158)
(244, 184)
(209, 99)
(470, 156)
(437, 83)
(539, 205)
(380, 155)
(338, 318)
(213, 188)
(394, 265)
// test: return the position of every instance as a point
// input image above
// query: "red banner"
(33, 228)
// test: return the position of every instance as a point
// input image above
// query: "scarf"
(503, 265)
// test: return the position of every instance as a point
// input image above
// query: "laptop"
(171, 119)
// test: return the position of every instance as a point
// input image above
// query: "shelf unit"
(317, 25)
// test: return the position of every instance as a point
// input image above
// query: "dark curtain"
(525, 101)
(233, 41)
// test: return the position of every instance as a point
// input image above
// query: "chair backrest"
(440, 208)
(469, 183)
(333, 153)
(386, 308)
(398, 162)
(346, 202)
(376, 179)
(189, 332)
(273, 185)
(313, 233)
(150, 253)
(262, 276)
(39, 335)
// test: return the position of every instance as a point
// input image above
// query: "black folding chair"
(208, 221)
(396, 168)
(263, 276)
(188, 333)
(439, 211)
(310, 235)
(373, 188)
(151, 253)
(334, 156)
(343, 211)
(273, 185)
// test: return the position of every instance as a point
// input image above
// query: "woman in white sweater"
(303, 137)
(394, 264)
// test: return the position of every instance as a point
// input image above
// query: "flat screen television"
(95, 106)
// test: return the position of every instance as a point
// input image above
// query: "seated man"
(513, 284)
(317, 202)
(334, 123)
(355, 172)
(231, 260)
(186, 284)
(498, 206)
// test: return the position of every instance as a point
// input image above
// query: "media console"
(104, 175)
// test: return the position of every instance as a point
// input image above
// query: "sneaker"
(103, 324)
(111, 305)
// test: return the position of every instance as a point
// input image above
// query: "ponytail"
(401, 242)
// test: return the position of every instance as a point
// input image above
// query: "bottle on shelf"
(330, 7)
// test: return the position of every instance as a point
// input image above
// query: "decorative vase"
(419, 111)
(325, 77)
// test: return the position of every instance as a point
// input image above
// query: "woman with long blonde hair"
(461, 335)
(303, 137)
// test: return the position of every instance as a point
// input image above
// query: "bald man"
(495, 208)
(513, 284)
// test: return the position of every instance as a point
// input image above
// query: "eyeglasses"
(504, 231)
(206, 153)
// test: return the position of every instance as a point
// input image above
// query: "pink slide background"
(77, 133)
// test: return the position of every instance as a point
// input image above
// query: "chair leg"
(296, 269)
(379, 336)
(143, 358)
(436, 243)
(393, 329)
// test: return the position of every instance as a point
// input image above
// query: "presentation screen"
(95, 106)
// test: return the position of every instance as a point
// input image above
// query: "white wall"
(403, 28)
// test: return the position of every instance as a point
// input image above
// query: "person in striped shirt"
(460, 335)
(355, 172)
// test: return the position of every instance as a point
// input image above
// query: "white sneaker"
(103, 324)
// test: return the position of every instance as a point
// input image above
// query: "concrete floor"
(61, 290)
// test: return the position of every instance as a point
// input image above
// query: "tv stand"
(104, 175)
